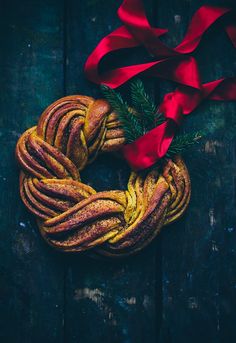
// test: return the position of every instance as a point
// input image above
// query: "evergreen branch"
(131, 122)
(144, 105)
(182, 142)
(143, 117)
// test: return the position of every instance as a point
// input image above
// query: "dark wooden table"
(182, 288)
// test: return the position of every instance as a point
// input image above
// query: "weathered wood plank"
(114, 301)
(198, 256)
(106, 301)
(31, 77)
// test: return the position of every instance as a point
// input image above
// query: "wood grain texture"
(31, 76)
(113, 301)
(196, 294)
(182, 287)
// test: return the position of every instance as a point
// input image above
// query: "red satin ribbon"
(171, 63)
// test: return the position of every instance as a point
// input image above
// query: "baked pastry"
(71, 215)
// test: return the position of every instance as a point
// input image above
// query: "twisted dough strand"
(71, 215)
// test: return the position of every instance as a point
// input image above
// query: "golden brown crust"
(71, 215)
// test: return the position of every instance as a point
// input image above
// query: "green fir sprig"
(131, 123)
(143, 115)
(143, 104)
(183, 142)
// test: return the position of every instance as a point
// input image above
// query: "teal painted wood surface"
(182, 288)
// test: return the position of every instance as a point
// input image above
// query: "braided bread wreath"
(71, 215)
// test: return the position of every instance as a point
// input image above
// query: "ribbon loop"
(173, 64)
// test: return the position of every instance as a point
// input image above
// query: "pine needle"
(183, 142)
(144, 105)
(130, 122)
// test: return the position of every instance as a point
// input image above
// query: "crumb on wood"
(177, 18)
(211, 146)
(93, 294)
(192, 303)
(212, 217)
(131, 300)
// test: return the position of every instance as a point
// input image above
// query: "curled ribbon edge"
(172, 64)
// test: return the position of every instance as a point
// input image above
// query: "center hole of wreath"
(107, 172)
